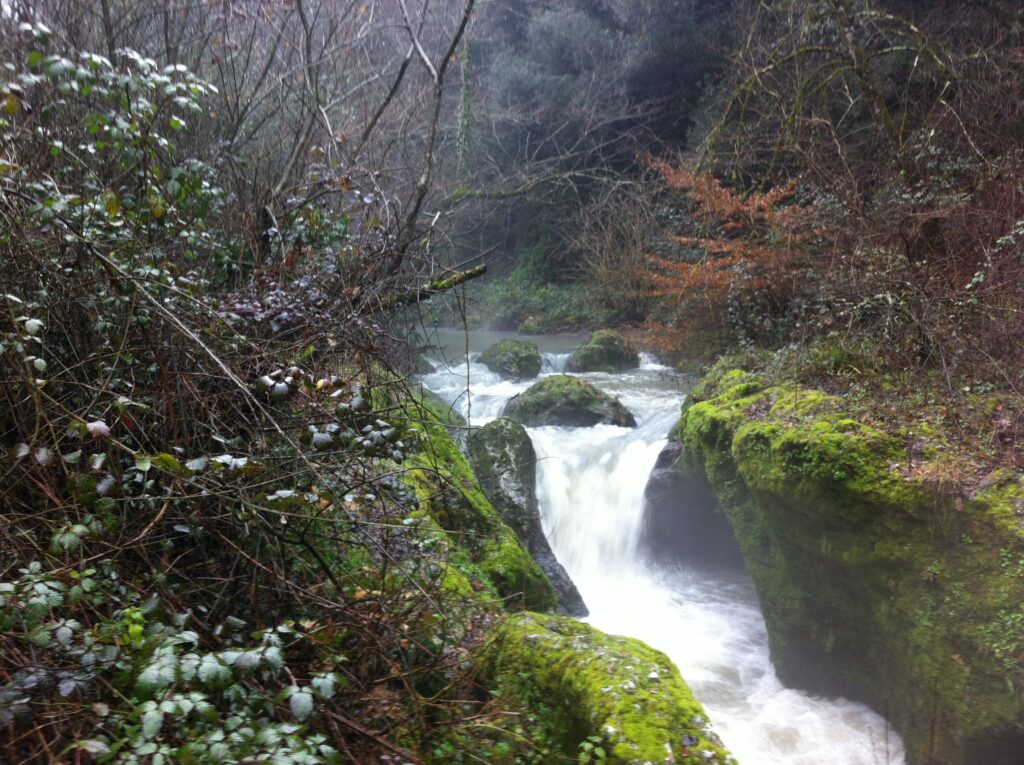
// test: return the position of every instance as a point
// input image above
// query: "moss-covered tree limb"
(437, 286)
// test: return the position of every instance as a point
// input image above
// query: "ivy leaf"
(324, 685)
(212, 671)
(301, 704)
(143, 463)
(152, 721)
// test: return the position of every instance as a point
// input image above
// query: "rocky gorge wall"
(877, 582)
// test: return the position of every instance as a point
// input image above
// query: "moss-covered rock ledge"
(879, 579)
(450, 495)
(597, 687)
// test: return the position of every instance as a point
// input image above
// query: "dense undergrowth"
(224, 513)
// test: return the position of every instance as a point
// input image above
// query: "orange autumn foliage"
(751, 246)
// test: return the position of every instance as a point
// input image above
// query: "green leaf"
(213, 671)
(143, 463)
(324, 685)
(92, 746)
(301, 704)
(169, 464)
(35, 58)
(152, 721)
(156, 676)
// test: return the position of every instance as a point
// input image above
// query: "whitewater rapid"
(590, 486)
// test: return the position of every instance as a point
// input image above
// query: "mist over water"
(590, 485)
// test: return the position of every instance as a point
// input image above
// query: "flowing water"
(590, 484)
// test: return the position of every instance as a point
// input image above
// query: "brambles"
(212, 548)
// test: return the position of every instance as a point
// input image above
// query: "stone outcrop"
(605, 351)
(876, 582)
(450, 496)
(617, 690)
(683, 523)
(568, 401)
(513, 359)
(502, 457)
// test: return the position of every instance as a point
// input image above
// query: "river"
(590, 486)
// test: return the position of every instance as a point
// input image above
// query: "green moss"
(514, 359)
(605, 351)
(530, 326)
(875, 583)
(446, 487)
(438, 410)
(503, 458)
(592, 684)
(721, 379)
(568, 401)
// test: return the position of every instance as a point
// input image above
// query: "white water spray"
(590, 484)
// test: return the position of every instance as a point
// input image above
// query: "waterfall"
(590, 485)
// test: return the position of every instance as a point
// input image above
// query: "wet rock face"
(569, 402)
(503, 459)
(605, 351)
(875, 585)
(682, 521)
(513, 359)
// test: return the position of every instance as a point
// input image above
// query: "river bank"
(881, 576)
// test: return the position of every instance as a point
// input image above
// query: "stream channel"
(590, 485)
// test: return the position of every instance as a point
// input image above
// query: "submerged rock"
(589, 685)
(875, 583)
(513, 359)
(682, 521)
(502, 456)
(567, 401)
(605, 351)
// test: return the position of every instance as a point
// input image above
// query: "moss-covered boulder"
(485, 547)
(878, 582)
(531, 325)
(605, 351)
(513, 359)
(568, 401)
(594, 685)
(502, 457)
